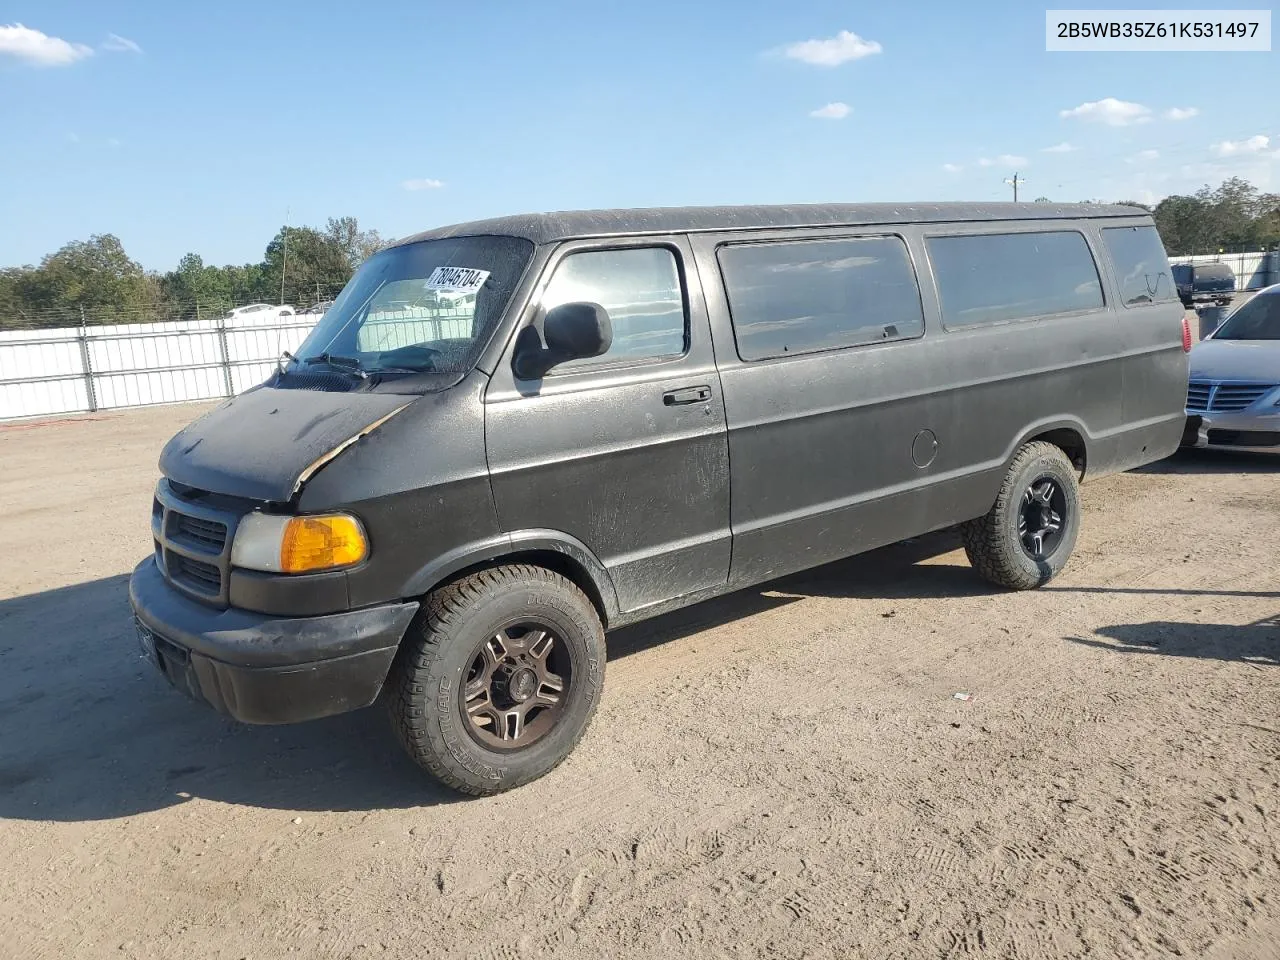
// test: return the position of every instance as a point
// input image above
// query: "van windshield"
(422, 307)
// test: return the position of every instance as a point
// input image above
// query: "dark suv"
(1204, 283)
(504, 438)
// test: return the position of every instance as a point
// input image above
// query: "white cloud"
(832, 111)
(424, 183)
(1004, 160)
(1181, 113)
(1233, 148)
(1110, 111)
(119, 44)
(39, 49)
(841, 48)
(113, 142)
(1143, 156)
(1062, 147)
(952, 167)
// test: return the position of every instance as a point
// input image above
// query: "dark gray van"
(506, 437)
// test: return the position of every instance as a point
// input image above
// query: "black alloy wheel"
(1042, 517)
(516, 686)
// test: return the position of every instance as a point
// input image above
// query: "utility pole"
(284, 261)
(1014, 183)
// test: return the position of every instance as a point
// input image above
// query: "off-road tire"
(992, 542)
(435, 654)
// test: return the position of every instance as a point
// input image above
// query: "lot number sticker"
(457, 279)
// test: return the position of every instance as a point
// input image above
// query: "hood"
(265, 443)
(1256, 360)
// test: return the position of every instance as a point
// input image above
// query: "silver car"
(1233, 398)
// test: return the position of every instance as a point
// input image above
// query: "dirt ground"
(780, 773)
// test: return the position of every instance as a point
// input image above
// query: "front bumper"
(261, 669)
(1253, 432)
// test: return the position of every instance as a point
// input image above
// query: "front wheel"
(498, 678)
(1026, 538)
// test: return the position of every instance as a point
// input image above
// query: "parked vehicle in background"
(1233, 395)
(317, 309)
(1204, 283)
(261, 311)
(607, 415)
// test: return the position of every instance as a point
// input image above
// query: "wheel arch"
(551, 549)
(1067, 434)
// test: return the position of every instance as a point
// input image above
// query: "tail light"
(1186, 336)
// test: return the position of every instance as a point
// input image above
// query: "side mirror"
(572, 331)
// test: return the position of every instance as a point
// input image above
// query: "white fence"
(1253, 270)
(79, 369)
(83, 369)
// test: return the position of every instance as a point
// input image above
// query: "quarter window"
(991, 278)
(806, 296)
(1142, 268)
(639, 287)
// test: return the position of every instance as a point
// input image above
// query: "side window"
(805, 296)
(639, 287)
(1142, 268)
(989, 278)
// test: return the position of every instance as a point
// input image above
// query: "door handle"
(674, 398)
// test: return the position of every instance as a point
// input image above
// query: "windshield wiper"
(396, 369)
(349, 364)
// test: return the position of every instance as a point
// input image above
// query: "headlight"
(279, 544)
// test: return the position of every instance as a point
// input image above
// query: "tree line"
(95, 281)
(1235, 217)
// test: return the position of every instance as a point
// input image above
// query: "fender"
(507, 544)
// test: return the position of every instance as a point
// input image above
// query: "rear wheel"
(498, 678)
(1027, 536)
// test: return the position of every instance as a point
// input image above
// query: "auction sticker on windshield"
(459, 279)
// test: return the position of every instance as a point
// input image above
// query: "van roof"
(570, 224)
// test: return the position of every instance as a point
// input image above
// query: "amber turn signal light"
(322, 543)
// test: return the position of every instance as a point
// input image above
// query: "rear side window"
(991, 278)
(806, 296)
(1142, 268)
(639, 287)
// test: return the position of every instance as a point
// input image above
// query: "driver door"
(626, 452)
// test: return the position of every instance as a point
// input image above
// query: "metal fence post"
(87, 365)
(226, 355)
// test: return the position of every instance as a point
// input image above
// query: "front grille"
(193, 533)
(205, 533)
(1211, 396)
(1237, 396)
(1198, 396)
(203, 577)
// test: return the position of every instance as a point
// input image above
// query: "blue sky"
(197, 126)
